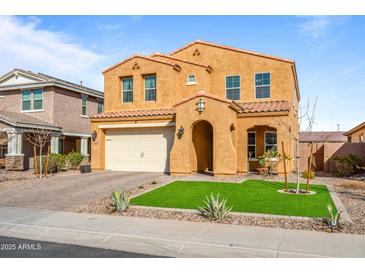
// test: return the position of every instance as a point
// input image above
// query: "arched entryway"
(202, 138)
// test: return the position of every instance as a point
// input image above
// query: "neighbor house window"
(83, 105)
(100, 105)
(233, 85)
(191, 79)
(150, 88)
(262, 85)
(26, 100)
(61, 145)
(127, 84)
(38, 98)
(251, 143)
(32, 99)
(270, 141)
(361, 138)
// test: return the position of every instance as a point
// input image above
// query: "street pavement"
(23, 248)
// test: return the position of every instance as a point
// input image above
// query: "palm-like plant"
(215, 208)
(333, 219)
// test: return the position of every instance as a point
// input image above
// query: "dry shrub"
(352, 185)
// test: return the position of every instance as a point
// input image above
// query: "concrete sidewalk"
(174, 238)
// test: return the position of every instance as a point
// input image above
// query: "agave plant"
(333, 219)
(121, 200)
(215, 208)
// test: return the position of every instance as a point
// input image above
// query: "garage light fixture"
(200, 106)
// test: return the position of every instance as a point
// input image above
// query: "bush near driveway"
(252, 196)
(74, 159)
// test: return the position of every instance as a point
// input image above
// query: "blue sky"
(329, 50)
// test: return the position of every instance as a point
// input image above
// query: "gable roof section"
(232, 49)
(141, 57)
(322, 136)
(25, 121)
(46, 80)
(360, 126)
(180, 60)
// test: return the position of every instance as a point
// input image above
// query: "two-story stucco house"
(30, 101)
(204, 107)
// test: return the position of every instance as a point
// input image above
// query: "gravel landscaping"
(350, 192)
(15, 179)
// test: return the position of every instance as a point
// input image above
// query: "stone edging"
(339, 205)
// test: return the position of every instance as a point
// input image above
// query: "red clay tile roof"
(322, 136)
(269, 106)
(134, 113)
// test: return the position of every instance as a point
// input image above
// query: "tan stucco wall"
(171, 85)
(221, 116)
(226, 62)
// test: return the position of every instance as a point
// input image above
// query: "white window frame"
(127, 78)
(254, 84)
(361, 138)
(82, 105)
(250, 145)
(188, 82)
(225, 86)
(265, 144)
(31, 100)
(144, 87)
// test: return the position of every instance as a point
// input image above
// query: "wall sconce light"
(180, 133)
(200, 106)
(94, 135)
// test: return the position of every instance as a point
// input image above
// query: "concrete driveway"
(68, 192)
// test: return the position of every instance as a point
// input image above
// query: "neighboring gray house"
(30, 101)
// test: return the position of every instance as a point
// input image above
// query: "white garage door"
(138, 149)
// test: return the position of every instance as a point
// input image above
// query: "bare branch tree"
(39, 137)
(306, 114)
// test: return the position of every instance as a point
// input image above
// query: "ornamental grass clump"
(333, 219)
(215, 208)
(121, 200)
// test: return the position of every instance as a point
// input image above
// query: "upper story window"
(32, 99)
(191, 79)
(251, 143)
(127, 85)
(84, 105)
(270, 141)
(100, 105)
(150, 88)
(262, 85)
(233, 85)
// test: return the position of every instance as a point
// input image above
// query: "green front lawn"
(249, 196)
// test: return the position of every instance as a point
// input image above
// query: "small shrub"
(74, 159)
(215, 208)
(121, 200)
(348, 164)
(333, 219)
(56, 163)
(306, 174)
